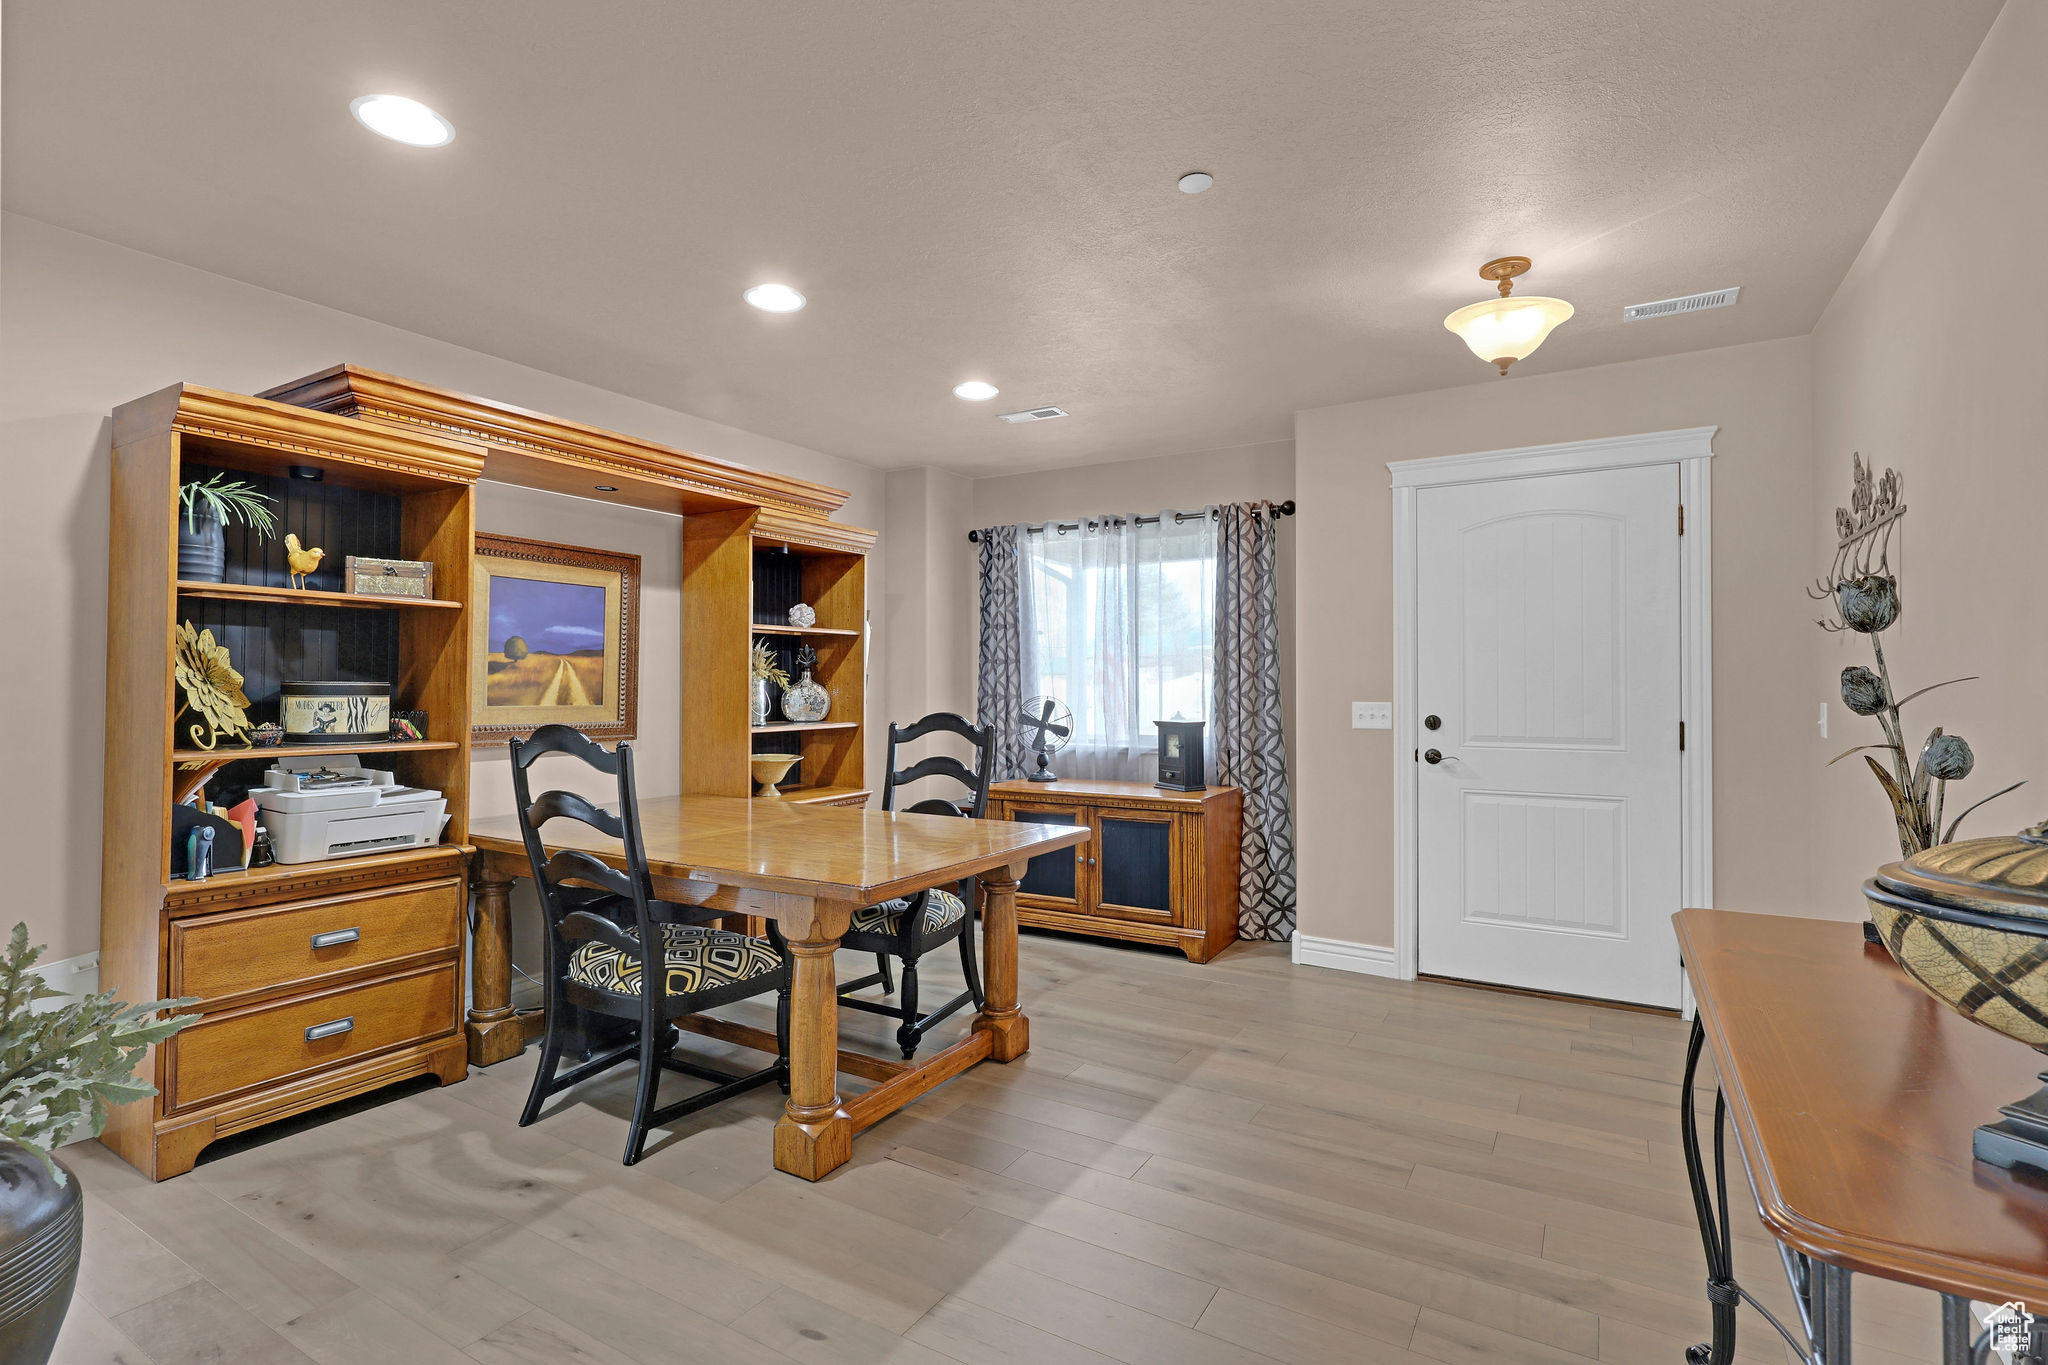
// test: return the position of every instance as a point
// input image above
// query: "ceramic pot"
(202, 545)
(42, 1227)
(769, 769)
(805, 700)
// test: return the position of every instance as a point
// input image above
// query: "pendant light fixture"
(1507, 329)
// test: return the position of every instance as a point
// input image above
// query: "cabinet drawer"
(235, 1051)
(305, 942)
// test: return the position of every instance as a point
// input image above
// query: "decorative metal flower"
(1868, 604)
(1864, 590)
(212, 688)
(1863, 691)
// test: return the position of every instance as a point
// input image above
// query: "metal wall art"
(1862, 590)
(213, 689)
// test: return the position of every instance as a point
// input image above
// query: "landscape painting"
(553, 640)
(547, 643)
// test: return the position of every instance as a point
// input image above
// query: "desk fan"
(1047, 726)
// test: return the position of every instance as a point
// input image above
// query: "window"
(1120, 625)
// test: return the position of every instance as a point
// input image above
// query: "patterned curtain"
(1244, 724)
(999, 675)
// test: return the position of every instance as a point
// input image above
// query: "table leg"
(814, 1135)
(1001, 1018)
(1723, 1295)
(1958, 1330)
(1831, 1313)
(494, 1029)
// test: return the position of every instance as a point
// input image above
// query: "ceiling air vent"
(1691, 303)
(1033, 415)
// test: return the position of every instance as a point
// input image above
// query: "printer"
(331, 806)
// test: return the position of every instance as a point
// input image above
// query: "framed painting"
(556, 639)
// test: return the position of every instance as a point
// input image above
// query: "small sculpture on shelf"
(212, 688)
(805, 701)
(301, 561)
(802, 617)
(763, 673)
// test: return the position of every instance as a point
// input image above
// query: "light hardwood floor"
(1238, 1162)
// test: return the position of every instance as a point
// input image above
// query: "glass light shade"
(1510, 329)
(402, 120)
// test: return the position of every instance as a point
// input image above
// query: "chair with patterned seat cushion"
(601, 921)
(911, 926)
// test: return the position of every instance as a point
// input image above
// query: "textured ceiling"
(987, 189)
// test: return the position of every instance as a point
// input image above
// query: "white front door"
(1547, 808)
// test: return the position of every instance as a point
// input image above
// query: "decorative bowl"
(770, 769)
(1968, 922)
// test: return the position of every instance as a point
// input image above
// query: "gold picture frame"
(555, 639)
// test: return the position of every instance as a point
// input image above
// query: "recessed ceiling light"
(976, 391)
(774, 298)
(402, 120)
(1194, 182)
(606, 487)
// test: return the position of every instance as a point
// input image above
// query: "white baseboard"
(1373, 959)
(72, 975)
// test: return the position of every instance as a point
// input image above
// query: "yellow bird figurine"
(301, 561)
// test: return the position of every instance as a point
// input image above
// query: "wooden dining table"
(808, 868)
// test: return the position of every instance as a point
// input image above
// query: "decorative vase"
(202, 545)
(42, 1226)
(769, 769)
(804, 700)
(760, 702)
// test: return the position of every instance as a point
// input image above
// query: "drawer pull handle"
(334, 938)
(330, 1028)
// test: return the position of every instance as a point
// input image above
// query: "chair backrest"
(568, 905)
(976, 779)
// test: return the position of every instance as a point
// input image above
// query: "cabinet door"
(1136, 872)
(1055, 880)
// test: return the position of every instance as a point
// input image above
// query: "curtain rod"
(1278, 509)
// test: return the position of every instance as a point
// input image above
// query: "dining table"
(808, 868)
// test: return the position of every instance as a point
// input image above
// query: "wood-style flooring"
(1246, 1161)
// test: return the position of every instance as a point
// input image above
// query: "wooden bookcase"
(241, 940)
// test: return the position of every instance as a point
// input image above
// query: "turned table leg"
(814, 1136)
(494, 1030)
(1001, 1018)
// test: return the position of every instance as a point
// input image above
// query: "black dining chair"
(608, 937)
(911, 926)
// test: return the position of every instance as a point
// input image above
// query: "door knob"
(1432, 722)
(1434, 756)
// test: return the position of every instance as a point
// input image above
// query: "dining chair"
(608, 937)
(911, 926)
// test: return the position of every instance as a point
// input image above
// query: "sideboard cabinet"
(1161, 866)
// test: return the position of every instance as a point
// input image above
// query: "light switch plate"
(1372, 715)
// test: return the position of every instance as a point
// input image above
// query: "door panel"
(1053, 879)
(1134, 869)
(1547, 641)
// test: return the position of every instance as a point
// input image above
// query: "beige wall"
(85, 326)
(1195, 479)
(1766, 750)
(1926, 361)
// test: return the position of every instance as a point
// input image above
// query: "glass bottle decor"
(805, 700)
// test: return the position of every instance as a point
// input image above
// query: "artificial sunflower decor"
(212, 688)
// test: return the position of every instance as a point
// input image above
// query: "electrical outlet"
(1372, 715)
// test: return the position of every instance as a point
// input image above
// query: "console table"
(1852, 1095)
(1158, 866)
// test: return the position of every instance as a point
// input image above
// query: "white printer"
(331, 806)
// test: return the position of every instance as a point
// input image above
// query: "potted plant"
(764, 673)
(207, 506)
(60, 1067)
